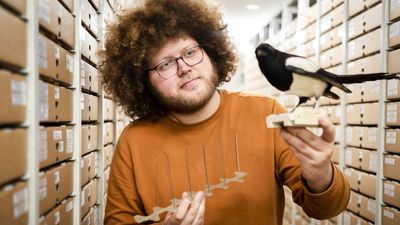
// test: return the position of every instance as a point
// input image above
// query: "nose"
(183, 68)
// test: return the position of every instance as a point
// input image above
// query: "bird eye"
(261, 52)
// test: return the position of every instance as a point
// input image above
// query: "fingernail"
(199, 196)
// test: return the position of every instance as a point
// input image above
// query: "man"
(163, 62)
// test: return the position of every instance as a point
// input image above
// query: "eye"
(190, 52)
(165, 65)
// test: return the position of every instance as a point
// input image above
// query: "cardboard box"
(18, 5)
(55, 103)
(56, 19)
(368, 207)
(366, 21)
(89, 195)
(369, 137)
(109, 109)
(69, 4)
(371, 91)
(394, 34)
(369, 64)
(364, 114)
(326, 6)
(364, 45)
(361, 181)
(89, 138)
(56, 144)
(355, 95)
(337, 15)
(391, 193)
(89, 77)
(331, 57)
(352, 219)
(365, 160)
(394, 9)
(108, 15)
(392, 140)
(334, 113)
(96, 4)
(91, 217)
(60, 215)
(391, 167)
(390, 216)
(311, 15)
(108, 133)
(15, 41)
(106, 178)
(89, 107)
(13, 154)
(354, 202)
(14, 204)
(89, 17)
(356, 6)
(55, 185)
(13, 97)
(393, 113)
(89, 46)
(108, 155)
(353, 136)
(393, 85)
(55, 62)
(89, 167)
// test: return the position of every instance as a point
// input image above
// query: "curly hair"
(139, 32)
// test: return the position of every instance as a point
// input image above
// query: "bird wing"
(319, 74)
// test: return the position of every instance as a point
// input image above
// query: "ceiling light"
(252, 7)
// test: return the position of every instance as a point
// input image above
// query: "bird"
(297, 75)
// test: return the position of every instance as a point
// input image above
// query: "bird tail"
(359, 78)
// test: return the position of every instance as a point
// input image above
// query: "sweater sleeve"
(123, 199)
(288, 171)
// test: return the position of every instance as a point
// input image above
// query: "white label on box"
(389, 193)
(83, 35)
(347, 173)
(362, 108)
(57, 135)
(82, 198)
(70, 141)
(69, 206)
(18, 89)
(372, 136)
(83, 81)
(373, 161)
(60, 146)
(59, 9)
(42, 145)
(42, 188)
(388, 214)
(56, 177)
(43, 101)
(390, 137)
(70, 63)
(346, 218)
(392, 107)
(348, 157)
(20, 202)
(57, 50)
(371, 206)
(44, 10)
(359, 177)
(57, 93)
(388, 186)
(82, 102)
(352, 27)
(338, 112)
(394, 4)
(350, 108)
(392, 87)
(57, 217)
(390, 161)
(361, 155)
(42, 48)
(394, 30)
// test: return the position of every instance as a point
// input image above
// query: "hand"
(187, 213)
(314, 153)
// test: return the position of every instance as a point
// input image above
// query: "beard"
(184, 104)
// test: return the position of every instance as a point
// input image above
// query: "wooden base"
(301, 117)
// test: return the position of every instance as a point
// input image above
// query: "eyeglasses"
(169, 68)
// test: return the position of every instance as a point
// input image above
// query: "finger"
(183, 207)
(297, 144)
(192, 213)
(199, 220)
(328, 130)
(307, 136)
(300, 156)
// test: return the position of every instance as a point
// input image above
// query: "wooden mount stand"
(301, 117)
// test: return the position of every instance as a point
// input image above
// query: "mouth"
(190, 83)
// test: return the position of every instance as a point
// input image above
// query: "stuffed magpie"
(298, 76)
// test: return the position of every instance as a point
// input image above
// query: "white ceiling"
(244, 24)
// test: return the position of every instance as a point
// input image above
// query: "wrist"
(321, 184)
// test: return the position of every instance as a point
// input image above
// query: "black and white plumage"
(298, 76)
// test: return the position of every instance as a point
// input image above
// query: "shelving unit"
(348, 37)
(57, 126)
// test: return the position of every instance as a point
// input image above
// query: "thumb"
(328, 130)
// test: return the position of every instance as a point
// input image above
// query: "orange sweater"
(155, 162)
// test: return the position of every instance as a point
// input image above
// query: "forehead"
(173, 47)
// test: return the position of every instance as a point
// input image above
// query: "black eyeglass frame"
(176, 60)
